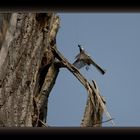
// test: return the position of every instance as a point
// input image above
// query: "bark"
(93, 112)
(26, 62)
(28, 71)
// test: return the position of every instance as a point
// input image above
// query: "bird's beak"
(79, 46)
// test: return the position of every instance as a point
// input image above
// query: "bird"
(84, 59)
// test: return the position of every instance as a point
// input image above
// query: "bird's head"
(80, 48)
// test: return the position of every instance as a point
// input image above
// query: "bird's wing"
(77, 56)
(102, 71)
(79, 64)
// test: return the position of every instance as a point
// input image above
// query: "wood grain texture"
(21, 58)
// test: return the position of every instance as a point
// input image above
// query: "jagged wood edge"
(41, 101)
(93, 114)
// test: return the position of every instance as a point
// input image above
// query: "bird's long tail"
(102, 71)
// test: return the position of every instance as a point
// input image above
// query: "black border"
(67, 6)
(71, 131)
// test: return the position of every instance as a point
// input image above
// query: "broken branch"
(91, 89)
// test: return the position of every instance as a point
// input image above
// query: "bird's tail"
(102, 71)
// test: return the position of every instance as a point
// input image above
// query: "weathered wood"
(21, 59)
(28, 70)
(42, 98)
(4, 24)
(93, 112)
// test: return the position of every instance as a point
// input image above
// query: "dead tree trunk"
(26, 67)
(28, 71)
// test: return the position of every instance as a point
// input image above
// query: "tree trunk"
(27, 71)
